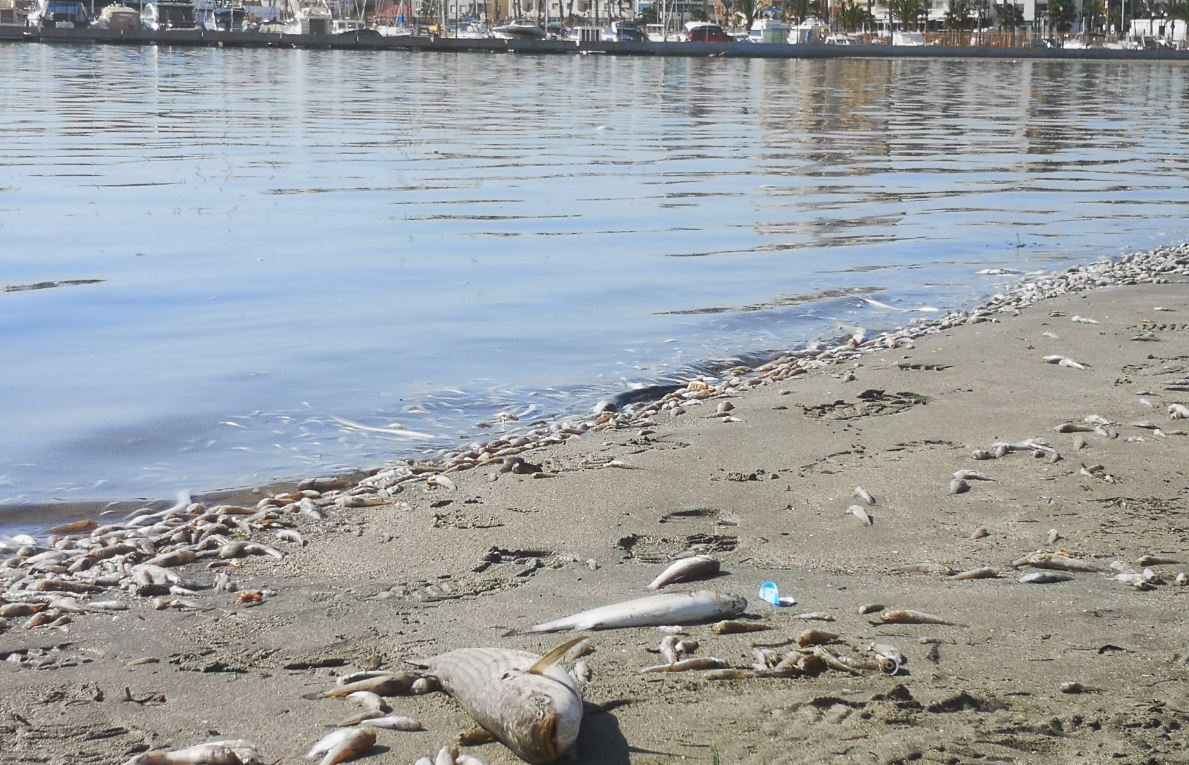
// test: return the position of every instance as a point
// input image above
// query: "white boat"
(769, 31)
(841, 40)
(908, 38)
(312, 18)
(657, 33)
(811, 31)
(519, 29)
(59, 14)
(473, 30)
(118, 18)
(164, 16)
(221, 15)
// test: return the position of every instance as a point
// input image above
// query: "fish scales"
(535, 714)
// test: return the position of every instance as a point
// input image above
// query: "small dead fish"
(971, 475)
(290, 535)
(387, 684)
(1155, 560)
(369, 701)
(889, 657)
(1083, 320)
(394, 722)
(909, 616)
(441, 482)
(1178, 412)
(685, 665)
(983, 572)
(861, 514)
(871, 608)
(1074, 427)
(816, 616)
(959, 486)
(730, 627)
(528, 702)
(1071, 363)
(864, 495)
(1073, 687)
(1044, 577)
(342, 744)
(212, 753)
(979, 533)
(686, 570)
(983, 454)
(651, 611)
(668, 648)
(816, 637)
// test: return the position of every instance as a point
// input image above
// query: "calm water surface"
(251, 243)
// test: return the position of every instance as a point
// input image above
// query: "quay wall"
(355, 41)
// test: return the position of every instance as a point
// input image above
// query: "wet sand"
(766, 490)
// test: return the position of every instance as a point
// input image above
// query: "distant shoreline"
(365, 42)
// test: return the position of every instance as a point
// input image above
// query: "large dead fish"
(528, 702)
(685, 570)
(652, 611)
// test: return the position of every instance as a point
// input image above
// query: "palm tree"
(855, 17)
(1092, 10)
(957, 14)
(1009, 16)
(1062, 14)
(906, 11)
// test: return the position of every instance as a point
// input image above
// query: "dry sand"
(767, 494)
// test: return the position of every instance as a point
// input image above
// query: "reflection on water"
(258, 242)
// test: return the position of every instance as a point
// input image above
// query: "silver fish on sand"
(342, 745)
(527, 701)
(652, 611)
(686, 570)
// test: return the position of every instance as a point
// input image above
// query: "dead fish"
(394, 722)
(1074, 427)
(387, 684)
(959, 486)
(871, 608)
(861, 514)
(211, 753)
(440, 482)
(1044, 577)
(979, 533)
(816, 616)
(983, 454)
(528, 702)
(76, 527)
(889, 657)
(1083, 320)
(730, 627)
(685, 665)
(983, 572)
(1155, 560)
(864, 495)
(686, 570)
(342, 744)
(1056, 561)
(369, 701)
(1074, 687)
(816, 637)
(1178, 412)
(926, 568)
(651, 611)
(971, 475)
(1071, 363)
(909, 616)
(668, 648)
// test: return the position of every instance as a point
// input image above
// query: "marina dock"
(366, 41)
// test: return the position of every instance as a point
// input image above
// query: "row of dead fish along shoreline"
(86, 567)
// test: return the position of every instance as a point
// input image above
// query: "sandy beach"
(1092, 668)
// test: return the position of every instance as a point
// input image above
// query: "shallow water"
(259, 241)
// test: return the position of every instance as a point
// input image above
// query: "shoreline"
(35, 519)
(757, 469)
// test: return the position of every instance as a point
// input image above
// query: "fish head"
(548, 728)
(735, 604)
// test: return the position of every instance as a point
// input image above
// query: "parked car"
(708, 33)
